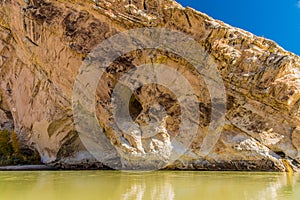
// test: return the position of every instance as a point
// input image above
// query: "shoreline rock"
(26, 168)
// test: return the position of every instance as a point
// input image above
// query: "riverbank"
(26, 168)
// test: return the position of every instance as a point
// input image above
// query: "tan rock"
(43, 43)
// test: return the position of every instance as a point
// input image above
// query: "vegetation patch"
(13, 153)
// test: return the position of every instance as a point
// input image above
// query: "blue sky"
(278, 20)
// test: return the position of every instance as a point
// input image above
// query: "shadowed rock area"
(43, 44)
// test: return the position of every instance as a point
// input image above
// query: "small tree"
(6, 148)
(15, 142)
(13, 153)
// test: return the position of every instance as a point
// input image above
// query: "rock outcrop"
(43, 44)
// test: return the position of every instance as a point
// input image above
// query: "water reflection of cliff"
(202, 185)
(169, 185)
(148, 187)
(281, 186)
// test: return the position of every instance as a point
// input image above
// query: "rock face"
(43, 45)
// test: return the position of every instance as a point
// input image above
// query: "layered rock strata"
(43, 45)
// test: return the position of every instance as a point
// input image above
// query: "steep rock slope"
(43, 44)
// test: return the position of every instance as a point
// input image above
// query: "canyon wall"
(43, 44)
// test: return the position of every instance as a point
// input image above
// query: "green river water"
(165, 185)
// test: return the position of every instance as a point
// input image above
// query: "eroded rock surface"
(43, 44)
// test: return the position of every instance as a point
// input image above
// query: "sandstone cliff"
(43, 45)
